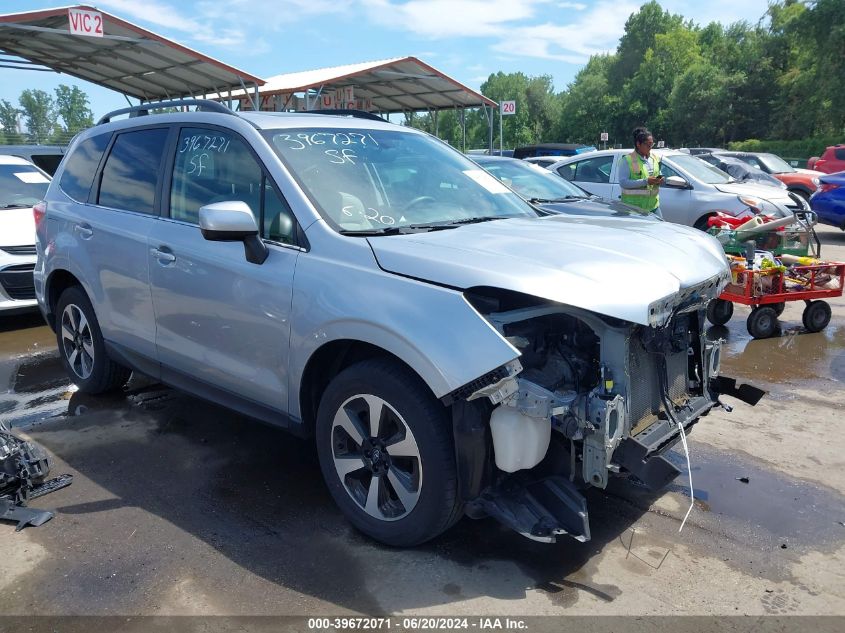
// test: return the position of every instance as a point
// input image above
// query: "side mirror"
(676, 182)
(232, 221)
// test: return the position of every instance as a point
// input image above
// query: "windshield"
(21, 186)
(698, 169)
(366, 181)
(775, 164)
(531, 181)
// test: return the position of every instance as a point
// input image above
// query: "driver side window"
(215, 166)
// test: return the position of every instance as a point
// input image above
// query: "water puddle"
(739, 492)
(796, 357)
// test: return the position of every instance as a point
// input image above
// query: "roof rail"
(144, 108)
(358, 114)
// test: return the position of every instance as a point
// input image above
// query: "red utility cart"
(768, 290)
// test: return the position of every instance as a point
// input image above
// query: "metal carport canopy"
(126, 57)
(401, 84)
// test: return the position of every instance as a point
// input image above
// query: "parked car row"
(737, 183)
(694, 190)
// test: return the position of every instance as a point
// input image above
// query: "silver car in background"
(451, 351)
(693, 191)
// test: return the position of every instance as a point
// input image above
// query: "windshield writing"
(366, 180)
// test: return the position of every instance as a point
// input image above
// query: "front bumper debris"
(23, 470)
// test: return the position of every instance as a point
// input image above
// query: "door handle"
(85, 231)
(163, 255)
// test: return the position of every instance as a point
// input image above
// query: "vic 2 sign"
(88, 23)
(508, 107)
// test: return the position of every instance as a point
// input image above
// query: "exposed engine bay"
(588, 398)
(24, 467)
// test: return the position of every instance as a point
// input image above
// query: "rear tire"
(394, 477)
(81, 345)
(816, 316)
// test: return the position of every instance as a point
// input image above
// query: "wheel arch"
(701, 222)
(58, 281)
(327, 362)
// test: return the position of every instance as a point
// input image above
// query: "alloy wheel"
(77, 342)
(376, 457)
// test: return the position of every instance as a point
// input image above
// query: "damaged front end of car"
(588, 398)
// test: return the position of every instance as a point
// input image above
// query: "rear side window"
(82, 165)
(839, 153)
(132, 169)
(47, 162)
(591, 170)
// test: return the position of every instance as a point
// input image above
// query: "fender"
(403, 316)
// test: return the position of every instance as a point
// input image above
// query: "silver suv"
(452, 348)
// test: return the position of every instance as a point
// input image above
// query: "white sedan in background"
(22, 186)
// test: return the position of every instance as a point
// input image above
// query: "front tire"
(81, 345)
(719, 311)
(387, 454)
(762, 322)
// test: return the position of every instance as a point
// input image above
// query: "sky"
(466, 39)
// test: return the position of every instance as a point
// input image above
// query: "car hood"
(17, 227)
(617, 267)
(774, 194)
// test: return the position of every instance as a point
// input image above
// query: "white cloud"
(154, 12)
(595, 31)
(438, 19)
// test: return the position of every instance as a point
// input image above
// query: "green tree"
(700, 109)
(73, 107)
(587, 107)
(537, 107)
(9, 120)
(641, 28)
(39, 112)
(647, 94)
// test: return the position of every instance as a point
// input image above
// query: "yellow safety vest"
(648, 197)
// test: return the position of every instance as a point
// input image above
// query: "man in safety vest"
(639, 174)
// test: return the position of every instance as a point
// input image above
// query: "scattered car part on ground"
(368, 285)
(22, 186)
(24, 467)
(829, 201)
(694, 190)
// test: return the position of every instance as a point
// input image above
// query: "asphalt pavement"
(179, 507)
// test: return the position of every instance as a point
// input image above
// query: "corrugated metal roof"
(391, 85)
(127, 58)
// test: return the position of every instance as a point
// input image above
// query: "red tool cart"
(767, 290)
